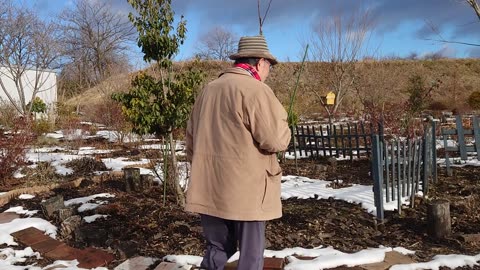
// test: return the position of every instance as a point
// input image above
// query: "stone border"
(5, 198)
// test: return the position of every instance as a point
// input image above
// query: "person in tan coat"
(236, 127)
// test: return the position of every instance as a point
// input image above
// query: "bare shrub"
(13, 149)
(41, 126)
(472, 204)
(42, 174)
(70, 123)
(438, 106)
(109, 113)
(86, 166)
(8, 115)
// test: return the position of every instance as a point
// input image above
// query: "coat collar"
(235, 70)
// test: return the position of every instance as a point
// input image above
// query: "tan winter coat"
(236, 127)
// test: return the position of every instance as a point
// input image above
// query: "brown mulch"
(140, 224)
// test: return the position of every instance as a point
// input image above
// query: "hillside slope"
(384, 82)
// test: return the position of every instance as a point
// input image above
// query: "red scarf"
(249, 69)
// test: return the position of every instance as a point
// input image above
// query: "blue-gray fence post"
(426, 158)
(461, 138)
(434, 151)
(476, 134)
(377, 172)
(399, 179)
(447, 158)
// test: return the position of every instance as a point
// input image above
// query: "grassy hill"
(378, 82)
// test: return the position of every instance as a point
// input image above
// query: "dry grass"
(384, 80)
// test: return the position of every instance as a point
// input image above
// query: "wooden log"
(438, 218)
(132, 179)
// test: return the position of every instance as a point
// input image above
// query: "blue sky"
(400, 28)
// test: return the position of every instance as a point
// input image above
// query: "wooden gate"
(402, 168)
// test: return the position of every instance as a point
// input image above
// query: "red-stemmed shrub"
(13, 147)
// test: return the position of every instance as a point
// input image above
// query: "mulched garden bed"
(140, 224)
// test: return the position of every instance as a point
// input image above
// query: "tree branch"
(475, 7)
(453, 42)
(260, 20)
(259, 17)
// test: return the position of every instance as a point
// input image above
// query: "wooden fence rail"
(462, 137)
(345, 140)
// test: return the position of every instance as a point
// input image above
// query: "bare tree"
(218, 44)
(341, 41)
(260, 19)
(28, 47)
(95, 40)
(474, 4)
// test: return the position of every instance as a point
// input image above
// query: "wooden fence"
(344, 140)
(401, 168)
(467, 140)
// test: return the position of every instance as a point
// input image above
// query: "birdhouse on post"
(330, 98)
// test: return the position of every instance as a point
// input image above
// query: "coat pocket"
(271, 197)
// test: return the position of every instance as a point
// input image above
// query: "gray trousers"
(222, 236)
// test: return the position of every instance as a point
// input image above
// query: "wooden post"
(131, 178)
(438, 219)
(357, 143)
(404, 169)
(387, 169)
(315, 138)
(329, 139)
(445, 146)
(427, 158)
(335, 141)
(310, 137)
(399, 179)
(299, 141)
(476, 134)
(323, 142)
(365, 141)
(393, 162)
(377, 173)
(434, 151)
(461, 137)
(414, 174)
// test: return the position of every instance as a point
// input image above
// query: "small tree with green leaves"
(159, 105)
(37, 105)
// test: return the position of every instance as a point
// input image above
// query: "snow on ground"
(19, 210)
(305, 188)
(292, 187)
(22, 223)
(92, 218)
(85, 203)
(26, 196)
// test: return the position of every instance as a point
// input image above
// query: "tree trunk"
(174, 176)
(438, 219)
